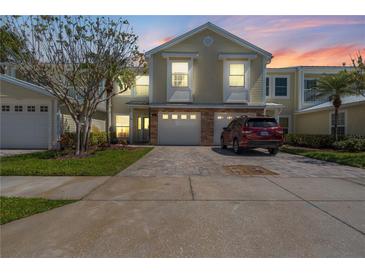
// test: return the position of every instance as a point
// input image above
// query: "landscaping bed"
(13, 208)
(102, 162)
(355, 159)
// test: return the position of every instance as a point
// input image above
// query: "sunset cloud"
(329, 56)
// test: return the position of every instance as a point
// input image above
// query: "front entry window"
(122, 126)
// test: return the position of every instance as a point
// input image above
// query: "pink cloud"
(290, 24)
(328, 56)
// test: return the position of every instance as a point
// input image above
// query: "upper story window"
(180, 74)
(141, 88)
(267, 86)
(236, 75)
(281, 86)
(310, 94)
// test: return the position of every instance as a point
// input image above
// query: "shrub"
(97, 138)
(309, 140)
(352, 144)
(68, 139)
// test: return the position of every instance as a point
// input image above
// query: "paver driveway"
(180, 202)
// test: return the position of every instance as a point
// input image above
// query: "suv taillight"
(246, 131)
(279, 131)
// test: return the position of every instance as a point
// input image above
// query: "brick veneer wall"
(207, 121)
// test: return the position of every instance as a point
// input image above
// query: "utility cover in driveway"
(248, 170)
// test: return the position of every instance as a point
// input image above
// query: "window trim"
(170, 90)
(269, 95)
(308, 103)
(229, 90)
(344, 111)
(171, 74)
(287, 87)
(129, 126)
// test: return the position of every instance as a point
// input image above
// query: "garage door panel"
(24, 129)
(179, 131)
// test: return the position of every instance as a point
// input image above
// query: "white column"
(131, 127)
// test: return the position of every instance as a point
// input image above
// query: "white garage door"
(221, 120)
(24, 126)
(179, 128)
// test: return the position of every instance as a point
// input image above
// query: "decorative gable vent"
(208, 41)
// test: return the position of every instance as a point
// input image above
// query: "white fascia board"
(190, 55)
(25, 84)
(199, 106)
(224, 56)
(346, 105)
(216, 29)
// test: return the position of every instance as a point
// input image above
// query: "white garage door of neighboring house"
(25, 126)
(179, 128)
(222, 120)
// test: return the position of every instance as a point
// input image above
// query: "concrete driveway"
(194, 208)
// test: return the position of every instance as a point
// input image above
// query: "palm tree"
(335, 86)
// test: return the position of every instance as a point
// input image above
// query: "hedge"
(346, 143)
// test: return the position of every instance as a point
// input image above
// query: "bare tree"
(70, 56)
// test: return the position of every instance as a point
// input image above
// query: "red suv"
(253, 132)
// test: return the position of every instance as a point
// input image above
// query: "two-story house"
(198, 82)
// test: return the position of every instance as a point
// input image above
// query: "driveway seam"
(191, 189)
(349, 180)
(95, 188)
(315, 206)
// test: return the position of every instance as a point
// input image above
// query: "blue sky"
(293, 40)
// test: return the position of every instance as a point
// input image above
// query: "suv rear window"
(262, 122)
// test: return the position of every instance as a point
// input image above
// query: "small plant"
(350, 144)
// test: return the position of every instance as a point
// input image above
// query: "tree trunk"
(109, 90)
(335, 125)
(78, 139)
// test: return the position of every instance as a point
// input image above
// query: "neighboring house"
(32, 118)
(293, 87)
(197, 83)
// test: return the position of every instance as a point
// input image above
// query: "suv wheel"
(236, 146)
(273, 151)
(222, 143)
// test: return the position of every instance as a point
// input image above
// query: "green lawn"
(356, 159)
(13, 208)
(101, 163)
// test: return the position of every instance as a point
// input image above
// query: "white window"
(31, 108)
(236, 75)
(5, 108)
(174, 117)
(284, 123)
(122, 126)
(183, 116)
(165, 116)
(180, 74)
(267, 86)
(310, 94)
(281, 86)
(141, 88)
(18, 108)
(341, 123)
(192, 116)
(44, 108)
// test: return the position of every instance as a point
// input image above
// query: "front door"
(143, 125)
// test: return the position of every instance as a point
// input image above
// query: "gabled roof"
(216, 29)
(346, 101)
(24, 84)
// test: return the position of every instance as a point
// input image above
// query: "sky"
(293, 40)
